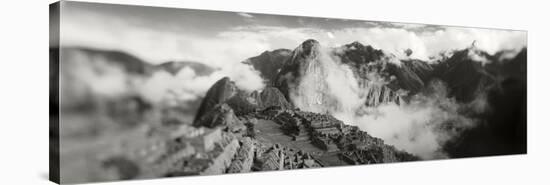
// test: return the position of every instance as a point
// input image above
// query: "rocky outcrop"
(297, 65)
(221, 91)
(380, 94)
(269, 63)
(242, 103)
(270, 97)
(304, 78)
(465, 73)
(220, 115)
(371, 65)
(505, 95)
(357, 54)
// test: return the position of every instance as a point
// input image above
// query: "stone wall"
(222, 161)
(245, 157)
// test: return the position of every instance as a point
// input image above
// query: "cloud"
(327, 86)
(156, 44)
(246, 15)
(224, 51)
(330, 35)
(422, 126)
(427, 44)
(408, 25)
(489, 40)
(393, 40)
(416, 127)
(184, 86)
(82, 74)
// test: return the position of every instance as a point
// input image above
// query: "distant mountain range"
(286, 125)
(468, 73)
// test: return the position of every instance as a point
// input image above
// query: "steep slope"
(219, 115)
(302, 58)
(310, 78)
(269, 63)
(270, 97)
(409, 75)
(324, 140)
(378, 77)
(220, 92)
(465, 73)
(504, 128)
(242, 103)
(357, 54)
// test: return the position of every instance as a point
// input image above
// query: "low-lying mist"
(187, 85)
(421, 125)
(84, 73)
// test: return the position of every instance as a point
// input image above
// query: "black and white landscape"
(148, 92)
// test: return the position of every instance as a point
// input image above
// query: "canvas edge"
(54, 37)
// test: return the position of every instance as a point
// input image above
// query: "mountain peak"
(308, 48)
(270, 97)
(310, 42)
(356, 44)
(473, 44)
(221, 91)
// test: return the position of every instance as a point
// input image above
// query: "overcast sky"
(223, 38)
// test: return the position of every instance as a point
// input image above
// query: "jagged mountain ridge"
(269, 63)
(471, 75)
(410, 76)
(270, 97)
(467, 75)
(504, 128)
(225, 106)
(239, 117)
(133, 64)
(306, 63)
(221, 91)
(369, 66)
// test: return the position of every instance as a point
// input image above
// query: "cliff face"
(270, 97)
(264, 130)
(303, 59)
(220, 115)
(391, 77)
(503, 84)
(380, 94)
(315, 78)
(465, 73)
(269, 63)
(220, 92)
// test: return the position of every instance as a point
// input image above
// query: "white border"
(24, 105)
